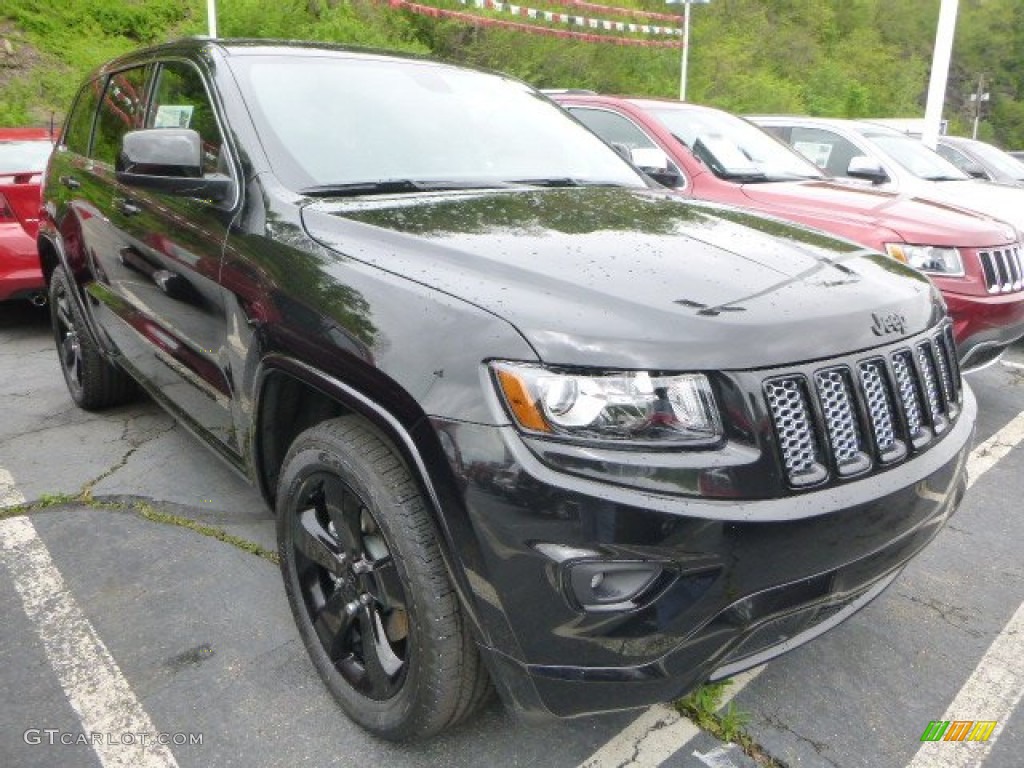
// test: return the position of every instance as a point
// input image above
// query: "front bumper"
(984, 326)
(740, 581)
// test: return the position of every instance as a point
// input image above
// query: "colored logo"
(959, 730)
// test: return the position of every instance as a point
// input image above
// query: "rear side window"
(613, 128)
(826, 149)
(79, 126)
(122, 110)
(180, 100)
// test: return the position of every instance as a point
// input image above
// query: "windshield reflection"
(336, 120)
(917, 158)
(733, 148)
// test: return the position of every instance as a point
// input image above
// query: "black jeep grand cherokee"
(523, 417)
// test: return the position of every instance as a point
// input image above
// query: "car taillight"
(6, 214)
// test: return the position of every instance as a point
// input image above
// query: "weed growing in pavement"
(702, 707)
(144, 510)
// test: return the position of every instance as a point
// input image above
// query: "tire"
(368, 588)
(93, 381)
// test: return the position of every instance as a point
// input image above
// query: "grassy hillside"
(828, 57)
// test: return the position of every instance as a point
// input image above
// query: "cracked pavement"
(201, 628)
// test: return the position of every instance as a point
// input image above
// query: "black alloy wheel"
(93, 381)
(368, 586)
(350, 586)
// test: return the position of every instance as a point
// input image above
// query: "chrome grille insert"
(881, 411)
(1002, 270)
(844, 432)
(798, 442)
(841, 420)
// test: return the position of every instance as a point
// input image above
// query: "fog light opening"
(603, 585)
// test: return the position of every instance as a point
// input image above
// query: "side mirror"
(623, 151)
(864, 167)
(975, 171)
(656, 164)
(169, 160)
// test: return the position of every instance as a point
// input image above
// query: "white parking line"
(986, 455)
(657, 734)
(91, 680)
(660, 731)
(992, 692)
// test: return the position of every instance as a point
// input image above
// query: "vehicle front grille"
(1002, 269)
(864, 413)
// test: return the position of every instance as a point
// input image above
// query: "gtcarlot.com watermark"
(53, 736)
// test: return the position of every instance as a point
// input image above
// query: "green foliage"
(846, 58)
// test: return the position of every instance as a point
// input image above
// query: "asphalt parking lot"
(139, 597)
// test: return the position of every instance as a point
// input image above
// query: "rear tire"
(368, 587)
(93, 381)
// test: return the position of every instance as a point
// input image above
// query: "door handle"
(70, 182)
(126, 206)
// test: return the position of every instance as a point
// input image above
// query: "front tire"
(93, 381)
(368, 587)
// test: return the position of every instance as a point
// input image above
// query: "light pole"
(977, 98)
(686, 40)
(211, 17)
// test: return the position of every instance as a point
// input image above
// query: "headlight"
(620, 406)
(928, 258)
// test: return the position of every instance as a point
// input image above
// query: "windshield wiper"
(940, 177)
(395, 187)
(743, 176)
(563, 181)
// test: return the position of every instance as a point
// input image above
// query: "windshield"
(331, 122)
(999, 160)
(733, 148)
(24, 156)
(916, 157)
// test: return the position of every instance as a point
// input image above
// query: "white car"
(893, 161)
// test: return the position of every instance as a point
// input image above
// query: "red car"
(974, 260)
(23, 155)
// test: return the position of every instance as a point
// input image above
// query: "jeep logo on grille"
(894, 322)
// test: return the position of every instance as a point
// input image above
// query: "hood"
(999, 201)
(631, 278)
(873, 217)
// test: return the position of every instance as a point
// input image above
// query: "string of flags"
(553, 18)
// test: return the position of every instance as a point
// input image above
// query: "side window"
(957, 158)
(79, 125)
(180, 100)
(121, 110)
(827, 150)
(613, 128)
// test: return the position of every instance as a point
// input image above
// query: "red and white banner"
(486, 21)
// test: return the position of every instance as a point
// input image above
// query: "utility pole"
(977, 98)
(211, 17)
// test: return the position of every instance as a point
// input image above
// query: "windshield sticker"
(728, 155)
(173, 116)
(817, 153)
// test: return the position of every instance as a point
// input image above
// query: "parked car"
(981, 160)
(892, 161)
(713, 155)
(23, 154)
(717, 428)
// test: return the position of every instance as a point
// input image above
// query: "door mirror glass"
(864, 167)
(161, 152)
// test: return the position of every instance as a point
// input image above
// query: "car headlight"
(620, 406)
(928, 258)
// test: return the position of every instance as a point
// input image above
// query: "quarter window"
(79, 125)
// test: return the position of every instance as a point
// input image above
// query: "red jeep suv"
(713, 155)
